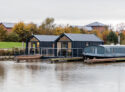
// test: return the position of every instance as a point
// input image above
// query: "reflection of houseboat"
(104, 51)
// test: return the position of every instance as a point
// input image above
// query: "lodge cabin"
(67, 44)
(35, 43)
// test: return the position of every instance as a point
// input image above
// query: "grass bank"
(11, 44)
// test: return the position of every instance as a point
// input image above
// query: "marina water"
(61, 77)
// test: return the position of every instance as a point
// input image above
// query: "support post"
(72, 52)
(77, 52)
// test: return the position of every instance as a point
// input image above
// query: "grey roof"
(83, 27)
(95, 24)
(87, 28)
(46, 37)
(113, 46)
(83, 37)
(8, 25)
(80, 27)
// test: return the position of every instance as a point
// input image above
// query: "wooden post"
(22, 44)
(41, 51)
(53, 52)
(34, 51)
(67, 52)
(77, 52)
(47, 51)
(57, 51)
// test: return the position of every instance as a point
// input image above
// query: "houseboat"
(104, 51)
(66, 44)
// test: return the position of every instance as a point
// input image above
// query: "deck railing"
(59, 52)
(47, 52)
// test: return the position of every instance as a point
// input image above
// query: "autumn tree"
(120, 27)
(32, 28)
(3, 33)
(21, 30)
(47, 26)
(13, 37)
(58, 30)
(97, 33)
(104, 35)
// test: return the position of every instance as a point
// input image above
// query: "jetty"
(106, 60)
(65, 59)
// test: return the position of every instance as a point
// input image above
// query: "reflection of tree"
(33, 67)
(67, 72)
(36, 67)
(2, 71)
(2, 75)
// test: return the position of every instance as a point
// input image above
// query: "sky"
(73, 12)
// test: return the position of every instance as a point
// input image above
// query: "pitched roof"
(8, 25)
(83, 37)
(87, 28)
(46, 37)
(95, 24)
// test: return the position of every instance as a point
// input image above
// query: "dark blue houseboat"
(66, 44)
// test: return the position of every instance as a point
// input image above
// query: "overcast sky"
(74, 12)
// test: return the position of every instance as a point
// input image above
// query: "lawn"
(10, 44)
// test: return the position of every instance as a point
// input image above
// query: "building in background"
(96, 26)
(8, 26)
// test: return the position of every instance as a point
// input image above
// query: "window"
(87, 44)
(64, 45)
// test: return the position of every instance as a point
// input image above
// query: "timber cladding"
(58, 46)
(33, 39)
(69, 45)
(64, 38)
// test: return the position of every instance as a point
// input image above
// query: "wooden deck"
(91, 61)
(28, 57)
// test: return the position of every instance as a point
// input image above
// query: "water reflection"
(2, 72)
(2, 76)
(61, 77)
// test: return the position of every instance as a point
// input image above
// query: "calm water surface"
(61, 77)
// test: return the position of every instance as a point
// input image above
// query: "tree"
(3, 33)
(21, 30)
(104, 35)
(47, 26)
(32, 28)
(13, 37)
(112, 37)
(120, 27)
(58, 30)
(97, 33)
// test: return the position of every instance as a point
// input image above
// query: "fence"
(48, 52)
